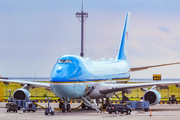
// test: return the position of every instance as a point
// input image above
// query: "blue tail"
(123, 48)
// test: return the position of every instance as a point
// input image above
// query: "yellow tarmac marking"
(39, 105)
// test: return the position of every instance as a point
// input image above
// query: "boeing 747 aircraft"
(74, 77)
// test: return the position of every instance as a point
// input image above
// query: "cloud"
(164, 29)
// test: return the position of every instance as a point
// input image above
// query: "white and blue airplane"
(74, 77)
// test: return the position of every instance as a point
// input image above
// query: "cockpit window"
(64, 61)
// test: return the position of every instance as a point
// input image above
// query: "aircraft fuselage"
(72, 74)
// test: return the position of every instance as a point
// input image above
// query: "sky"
(35, 33)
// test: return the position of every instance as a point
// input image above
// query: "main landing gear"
(65, 105)
(124, 98)
(105, 103)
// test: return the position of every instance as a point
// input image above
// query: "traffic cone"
(150, 113)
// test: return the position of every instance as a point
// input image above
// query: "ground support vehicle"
(20, 103)
(118, 108)
(172, 100)
(29, 106)
(23, 104)
(11, 107)
(49, 110)
(138, 105)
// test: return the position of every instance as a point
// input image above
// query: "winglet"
(123, 48)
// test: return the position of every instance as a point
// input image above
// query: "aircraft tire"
(63, 108)
(116, 112)
(52, 113)
(68, 108)
(128, 112)
(83, 106)
(146, 110)
(60, 105)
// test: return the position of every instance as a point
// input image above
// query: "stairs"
(88, 103)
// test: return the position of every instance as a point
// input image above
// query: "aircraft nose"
(57, 73)
(59, 69)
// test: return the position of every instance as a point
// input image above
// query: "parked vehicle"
(138, 105)
(118, 108)
(172, 100)
(11, 107)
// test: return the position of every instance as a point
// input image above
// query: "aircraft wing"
(35, 84)
(137, 68)
(110, 88)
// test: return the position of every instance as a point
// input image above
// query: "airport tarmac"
(160, 112)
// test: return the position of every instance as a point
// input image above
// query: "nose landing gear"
(65, 106)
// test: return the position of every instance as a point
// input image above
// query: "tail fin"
(123, 48)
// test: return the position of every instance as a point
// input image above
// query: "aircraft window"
(64, 61)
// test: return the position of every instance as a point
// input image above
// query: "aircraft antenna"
(82, 16)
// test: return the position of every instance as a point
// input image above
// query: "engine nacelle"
(178, 86)
(144, 89)
(21, 94)
(153, 96)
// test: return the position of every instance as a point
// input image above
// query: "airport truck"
(138, 105)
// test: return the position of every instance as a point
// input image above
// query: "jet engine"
(21, 94)
(153, 96)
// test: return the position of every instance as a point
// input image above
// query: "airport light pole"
(137, 94)
(9, 99)
(82, 16)
(36, 81)
(168, 93)
(6, 90)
